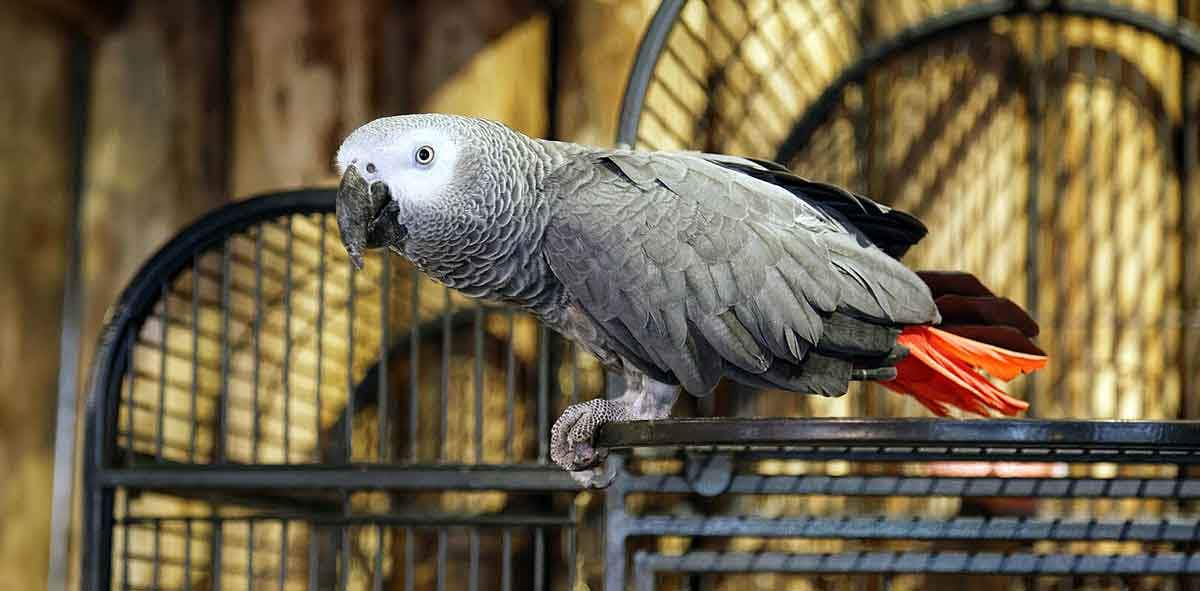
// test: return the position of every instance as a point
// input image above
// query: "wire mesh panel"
(1050, 148)
(253, 388)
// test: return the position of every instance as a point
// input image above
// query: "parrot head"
(409, 170)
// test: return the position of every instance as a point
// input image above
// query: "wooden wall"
(196, 102)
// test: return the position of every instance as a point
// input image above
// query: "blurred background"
(1053, 157)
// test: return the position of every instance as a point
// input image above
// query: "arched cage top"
(1049, 147)
(249, 339)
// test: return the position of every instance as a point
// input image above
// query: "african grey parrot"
(677, 268)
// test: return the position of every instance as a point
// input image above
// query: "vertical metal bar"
(195, 386)
(283, 553)
(571, 534)
(161, 411)
(344, 561)
(539, 559)
(219, 454)
(543, 392)
(125, 541)
(444, 430)
(187, 554)
(506, 560)
(313, 549)
(348, 422)
(256, 413)
(383, 396)
(320, 330)
(70, 343)
(249, 555)
(215, 549)
(510, 388)
(1189, 349)
(478, 384)
(1116, 79)
(377, 575)
(473, 564)
(410, 541)
(287, 346)
(441, 559)
(156, 554)
(1035, 97)
(414, 365)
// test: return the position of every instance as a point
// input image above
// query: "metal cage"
(237, 436)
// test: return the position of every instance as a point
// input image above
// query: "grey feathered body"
(685, 266)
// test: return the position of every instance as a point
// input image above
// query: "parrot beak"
(366, 216)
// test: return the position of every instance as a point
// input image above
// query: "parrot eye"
(370, 168)
(424, 155)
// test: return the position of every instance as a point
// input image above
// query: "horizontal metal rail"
(920, 439)
(391, 519)
(976, 563)
(881, 528)
(923, 486)
(360, 477)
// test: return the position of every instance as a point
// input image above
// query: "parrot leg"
(571, 436)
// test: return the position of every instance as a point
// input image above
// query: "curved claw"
(571, 436)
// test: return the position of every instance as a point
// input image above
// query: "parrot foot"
(571, 436)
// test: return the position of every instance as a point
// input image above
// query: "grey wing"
(688, 267)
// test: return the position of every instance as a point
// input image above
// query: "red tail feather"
(940, 371)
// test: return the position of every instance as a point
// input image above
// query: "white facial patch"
(392, 157)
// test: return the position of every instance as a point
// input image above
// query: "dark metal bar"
(250, 556)
(256, 410)
(882, 528)
(348, 416)
(926, 486)
(320, 331)
(447, 334)
(506, 560)
(284, 555)
(162, 377)
(539, 559)
(1101, 435)
(543, 393)
(414, 365)
(1035, 97)
(313, 557)
(215, 549)
(510, 388)
(287, 346)
(194, 387)
(970, 563)
(478, 384)
(219, 453)
(473, 560)
(410, 542)
(156, 552)
(384, 396)
(377, 573)
(344, 557)
(187, 555)
(125, 545)
(441, 559)
(406, 519)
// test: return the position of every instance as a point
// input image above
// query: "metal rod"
(377, 575)
(543, 392)
(162, 376)
(506, 560)
(287, 345)
(313, 557)
(250, 556)
(447, 333)
(478, 385)
(414, 364)
(441, 559)
(256, 410)
(539, 559)
(383, 397)
(510, 387)
(410, 543)
(348, 420)
(284, 555)
(320, 333)
(473, 563)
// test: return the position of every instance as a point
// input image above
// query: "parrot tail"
(979, 331)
